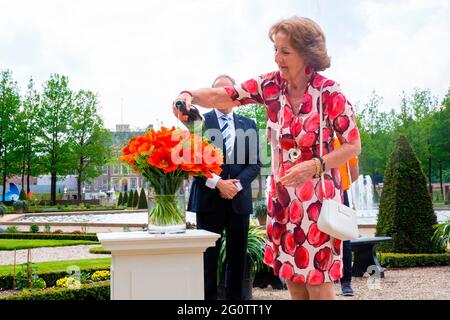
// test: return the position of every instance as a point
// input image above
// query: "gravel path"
(51, 254)
(432, 283)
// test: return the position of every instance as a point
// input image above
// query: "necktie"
(226, 134)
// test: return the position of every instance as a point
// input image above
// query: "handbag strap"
(321, 150)
(321, 135)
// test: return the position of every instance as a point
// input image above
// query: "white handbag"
(336, 219)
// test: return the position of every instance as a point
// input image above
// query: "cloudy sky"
(140, 54)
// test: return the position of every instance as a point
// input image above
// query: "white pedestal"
(157, 267)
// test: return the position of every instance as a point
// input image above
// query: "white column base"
(157, 267)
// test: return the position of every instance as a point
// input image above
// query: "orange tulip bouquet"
(166, 158)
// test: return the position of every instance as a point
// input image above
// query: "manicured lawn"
(54, 266)
(11, 244)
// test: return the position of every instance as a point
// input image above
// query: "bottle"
(194, 119)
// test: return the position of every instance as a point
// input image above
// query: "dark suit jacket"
(245, 167)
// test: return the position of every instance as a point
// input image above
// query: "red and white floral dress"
(295, 248)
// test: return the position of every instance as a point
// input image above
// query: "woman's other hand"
(298, 174)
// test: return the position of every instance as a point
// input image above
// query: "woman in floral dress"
(308, 259)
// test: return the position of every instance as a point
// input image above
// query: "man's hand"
(227, 188)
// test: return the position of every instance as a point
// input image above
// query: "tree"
(416, 122)
(406, 211)
(439, 141)
(376, 132)
(31, 132)
(89, 138)
(142, 200)
(9, 109)
(55, 115)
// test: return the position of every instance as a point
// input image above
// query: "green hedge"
(97, 291)
(53, 236)
(404, 260)
(99, 250)
(50, 278)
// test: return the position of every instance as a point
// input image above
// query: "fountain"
(367, 209)
(363, 191)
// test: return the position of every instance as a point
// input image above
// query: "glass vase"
(167, 207)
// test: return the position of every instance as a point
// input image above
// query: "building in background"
(117, 176)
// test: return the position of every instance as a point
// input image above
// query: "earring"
(308, 70)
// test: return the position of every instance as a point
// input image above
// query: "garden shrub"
(12, 229)
(49, 236)
(142, 200)
(68, 282)
(34, 228)
(119, 201)
(125, 199)
(96, 291)
(402, 260)
(99, 250)
(100, 275)
(406, 210)
(135, 198)
(23, 195)
(50, 278)
(130, 199)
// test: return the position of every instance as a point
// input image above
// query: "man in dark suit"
(225, 201)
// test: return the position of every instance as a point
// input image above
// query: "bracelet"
(188, 92)
(318, 167)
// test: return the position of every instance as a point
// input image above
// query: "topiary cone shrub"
(142, 200)
(125, 198)
(135, 198)
(130, 199)
(23, 195)
(406, 210)
(119, 201)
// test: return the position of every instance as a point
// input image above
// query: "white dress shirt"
(212, 182)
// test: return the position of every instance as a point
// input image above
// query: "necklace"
(294, 153)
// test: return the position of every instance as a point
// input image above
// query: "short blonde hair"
(307, 38)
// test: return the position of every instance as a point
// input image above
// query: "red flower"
(162, 159)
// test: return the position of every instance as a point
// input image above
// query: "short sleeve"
(341, 114)
(248, 92)
(257, 90)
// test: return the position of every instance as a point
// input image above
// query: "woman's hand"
(299, 174)
(186, 98)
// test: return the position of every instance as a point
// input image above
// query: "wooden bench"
(365, 255)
